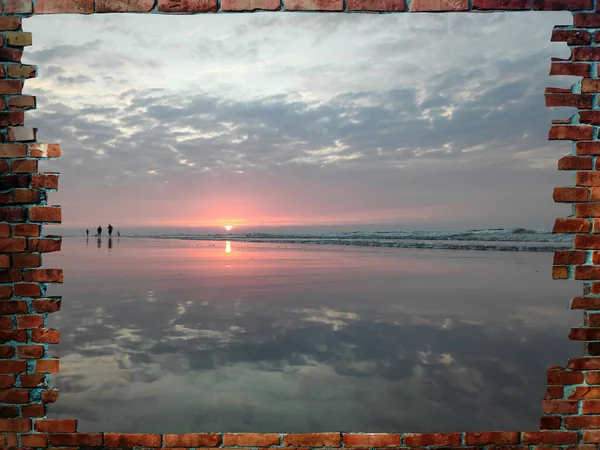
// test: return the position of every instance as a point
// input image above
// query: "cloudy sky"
(300, 120)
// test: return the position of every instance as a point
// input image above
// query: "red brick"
(30, 351)
(33, 410)
(56, 426)
(13, 307)
(4, 230)
(570, 195)
(6, 323)
(26, 229)
(22, 102)
(30, 321)
(575, 163)
(581, 422)
(376, 5)
(549, 437)
(437, 5)
(561, 5)
(570, 100)
(240, 440)
(587, 241)
(27, 290)
(570, 69)
(45, 335)
(49, 395)
(4, 261)
(590, 407)
(501, 4)
(7, 381)
(24, 165)
(9, 245)
(51, 305)
(75, 439)
(45, 180)
(7, 351)
(575, 133)
(587, 273)
(12, 118)
(571, 37)
(46, 366)
(10, 23)
(43, 275)
(33, 380)
(584, 363)
(21, 260)
(45, 214)
(39, 150)
(571, 226)
(64, 7)
(371, 440)
(591, 436)
(13, 366)
(34, 440)
(131, 440)
(11, 87)
(587, 178)
(585, 53)
(14, 395)
(6, 291)
(188, 5)
(560, 273)
(560, 406)
(8, 412)
(13, 150)
(14, 181)
(590, 303)
(312, 440)
(586, 20)
(10, 275)
(434, 439)
(564, 377)
(10, 55)
(108, 6)
(589, 117)
(21, 71)
(44, 245)
(18, 425)
(27, 196)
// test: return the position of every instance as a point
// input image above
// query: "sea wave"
(491, 239)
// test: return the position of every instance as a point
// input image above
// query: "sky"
(299, 121)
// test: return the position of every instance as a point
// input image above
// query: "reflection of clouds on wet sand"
(393, 354)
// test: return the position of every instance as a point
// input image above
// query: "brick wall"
(571, 407)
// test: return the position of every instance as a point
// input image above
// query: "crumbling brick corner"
(571, 407)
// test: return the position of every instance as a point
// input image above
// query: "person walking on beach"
(87, 232)
(110, 228)
(118, 234)
(99, 231)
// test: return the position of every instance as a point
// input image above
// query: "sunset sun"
(228, 227)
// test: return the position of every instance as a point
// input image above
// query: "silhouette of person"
(110, 228)
(87, 233)
(118, 234)
(99, 231)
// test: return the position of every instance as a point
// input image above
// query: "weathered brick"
(27, 196)
(45, 335)
(592, 303)
(312, 440)
(10, 23)
(46, 366)
(47, 275)
(500, 4)
(188, 5)
(13, 366)
(45, 180)
(45, 214)
(64, 7)
(110, 6)
(30, 321)
(18, 425)
(437, 5)
(11, 87)
(561, 5)
(587, 273)
(582, 101)
(26, 229)
(24, 165)
(574, 133)
(581, 422)
(75, 439)
(586, 20)
(587, 178)
(44, 245)
(560, 406)
(584, 334)
(14, 181)
(592, 363)
(13, 245)
(21, 71)
(46, 305)
(10, 54)
(570, 69)
(13, 150)
(19, 38)
(585, 53)
(371, 440)
(570, 195)
(548, 437)
(571, 225)
(21, 102)
(27, 290)
(35, 410)
(587, 241)
(364, 5)
(30, 351)
(131, 440)
(587, 210)
(49, 395)
(571, 37)
(34, 440)
(588, 148)
(560, 273)
(22, 260)
(33, 380)
(56, 426)
(38, 150)
(238, 439)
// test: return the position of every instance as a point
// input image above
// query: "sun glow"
(228, 227)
